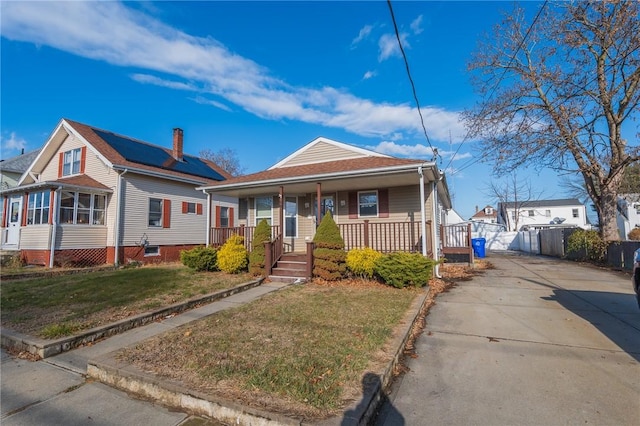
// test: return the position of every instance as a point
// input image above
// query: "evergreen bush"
(405, 269)
(362, 262)
(232, 256)
(588, 245)
(200, 258)
(261, 235)
(329, 255)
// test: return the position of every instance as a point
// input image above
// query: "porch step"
(290, 268)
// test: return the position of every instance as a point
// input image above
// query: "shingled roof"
(19, 163)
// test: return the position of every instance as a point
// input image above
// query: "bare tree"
(511, 194)
(557, 93)
(226, 158)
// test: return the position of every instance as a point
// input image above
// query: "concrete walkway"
(536, 341)
(54, 391)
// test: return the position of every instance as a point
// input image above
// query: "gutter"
(160, 175)
(208, 233)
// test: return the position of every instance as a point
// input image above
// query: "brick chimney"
(177, 144)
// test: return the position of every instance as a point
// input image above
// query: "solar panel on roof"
(157, 157)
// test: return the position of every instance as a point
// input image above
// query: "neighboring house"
(12, 168)
(376, 200)
(92, 196)
(487, 215)
(452, 217)
(628, 214)
(542, 214)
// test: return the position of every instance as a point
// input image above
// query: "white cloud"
(388, 46)
(12, 143)
(113, 33)
(204, 101)
(364, 33)
(369, 74)
(416, 25)
(416, 151)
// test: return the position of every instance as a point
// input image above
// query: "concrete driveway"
(535, 341)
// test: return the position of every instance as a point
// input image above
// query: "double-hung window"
(290, 217)
(368, 203)
(575, 213)
(38, 207)
(263, 209)
(155, 212)
(71, 162)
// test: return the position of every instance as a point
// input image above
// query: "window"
(191, 207)
(224, 217)
(71, 162)
(368, 203)
(575, 213)
(531, 213)
(38, 208)
(547, 213)
(155, 212)
(488, 210)
(637, 207)
(263, 209)
(152, 251)
(291, 217)
(81, 208)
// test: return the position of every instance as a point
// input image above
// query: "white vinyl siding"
(36, 237)
(183, 228)
(81, 237)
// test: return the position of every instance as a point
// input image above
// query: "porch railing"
(218, 236)
(456, 240)
(385, 237)
(272, 253)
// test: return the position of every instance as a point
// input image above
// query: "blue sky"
(262, 78)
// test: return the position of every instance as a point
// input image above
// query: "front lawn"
(63, 305)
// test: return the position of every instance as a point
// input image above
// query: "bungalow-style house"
(628, 216)
(11, 169)
(487, 215)
(541, 214)
(386, 203)
(92, 197)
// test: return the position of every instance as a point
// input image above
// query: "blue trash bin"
(478, 246)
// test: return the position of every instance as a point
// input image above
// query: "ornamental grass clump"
(362, 262)
(200, 258)
(405, 269)
(232, 256)
(329, 255)
(261, 235)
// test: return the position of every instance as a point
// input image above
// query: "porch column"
(318, 202)
(208, 220)
(281, 219)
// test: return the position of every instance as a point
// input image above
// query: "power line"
(495, 87)
(413, 87)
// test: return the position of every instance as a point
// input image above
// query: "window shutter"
(383, 203)
(353, 205)
(230, 217)
(185, 207)
(52, 202)
(166, 213)
(24, 209)
(199, 208)
(60, 163)
(218, 216)
(5, 206)
(83, 158)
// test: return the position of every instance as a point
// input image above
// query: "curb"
(44, 348)
(110, 371)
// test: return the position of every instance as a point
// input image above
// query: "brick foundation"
(136, 253)
(35, 257)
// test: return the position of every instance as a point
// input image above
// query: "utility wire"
(413, 87)
(495, 87)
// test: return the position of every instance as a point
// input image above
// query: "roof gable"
(321, 150)
(19, 163)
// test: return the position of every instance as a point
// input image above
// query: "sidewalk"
(54, 391)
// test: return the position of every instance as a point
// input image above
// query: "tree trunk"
(607, 214)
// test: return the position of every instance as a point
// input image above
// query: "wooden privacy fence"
(385, 237)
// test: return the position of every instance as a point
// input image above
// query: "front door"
(13, 222)
(327, 204)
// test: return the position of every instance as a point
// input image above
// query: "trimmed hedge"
(329, 255)
(362, 262)
(261, 235)
(232, 256)
(405, 269)
(200, 258)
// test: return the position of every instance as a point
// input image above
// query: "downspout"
(208, 238)
(423, 215)
(118, 218)
(436, 248)
(55, 207)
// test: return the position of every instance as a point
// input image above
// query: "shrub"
(362, 262)
(588, 245)
(404, 269)
(329, 256)
(261, 235)
(634, 234)
(200, 258)
(232, 256)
